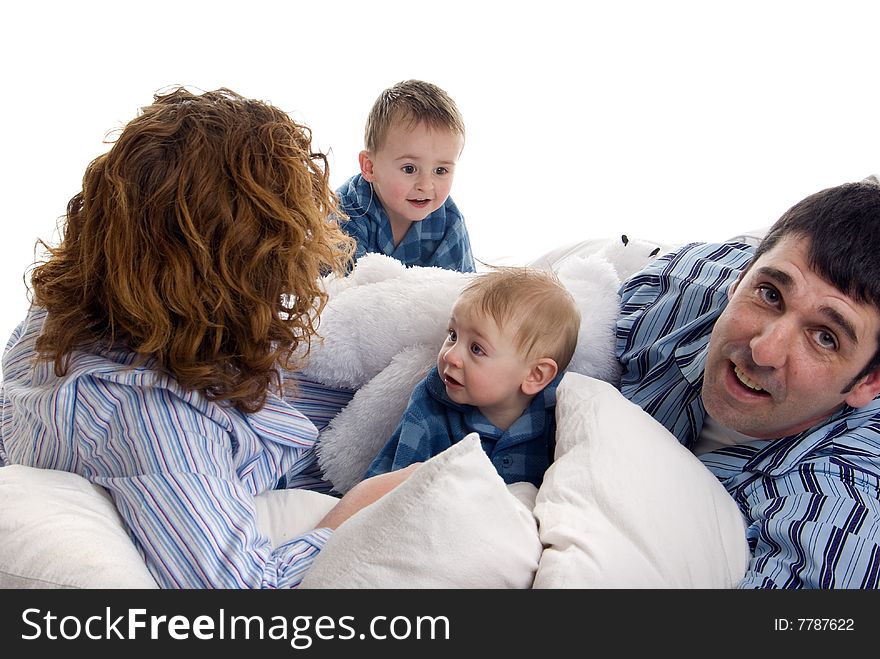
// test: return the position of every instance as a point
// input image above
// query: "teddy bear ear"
(624, 239)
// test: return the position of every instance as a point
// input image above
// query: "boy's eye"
(441, 171)
(408, 169)
(476, 349)
(452, 335)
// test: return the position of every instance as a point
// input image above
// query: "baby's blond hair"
(531, 303)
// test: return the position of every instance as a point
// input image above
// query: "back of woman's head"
(199, 240)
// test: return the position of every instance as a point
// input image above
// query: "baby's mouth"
(450, 381)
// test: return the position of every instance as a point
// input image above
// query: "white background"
(670, 121)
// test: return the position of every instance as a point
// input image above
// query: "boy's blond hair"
(532, 304)
(413, 101)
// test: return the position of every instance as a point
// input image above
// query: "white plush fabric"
(354, 437)
(624, 505)
(593, 283)
(57, 530)
(452, 524)
(386, 353)
(377, 311)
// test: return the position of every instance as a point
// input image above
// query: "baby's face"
(412, 173)
(481, 365)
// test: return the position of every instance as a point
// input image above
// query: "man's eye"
(769, 294)
(408, 169)
(826, 339)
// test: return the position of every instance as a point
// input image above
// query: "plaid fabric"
(811, 501)
(433, 423)
(441, 239)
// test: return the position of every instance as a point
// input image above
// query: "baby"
(512, 332)
(399, 203)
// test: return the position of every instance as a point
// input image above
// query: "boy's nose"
(450, 356)
(424, 181)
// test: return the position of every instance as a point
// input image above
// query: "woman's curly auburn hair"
(198, 240)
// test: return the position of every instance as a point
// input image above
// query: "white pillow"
(624, 505)
(285, 514)
(57, 530)
(452, 524)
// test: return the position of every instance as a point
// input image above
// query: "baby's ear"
(366, 163)
(540, 375)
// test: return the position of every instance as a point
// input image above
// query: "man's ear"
(736, 283)
(865, 390)
(366, 163)
(540, 375)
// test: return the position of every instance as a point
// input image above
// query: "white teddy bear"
(384, 324)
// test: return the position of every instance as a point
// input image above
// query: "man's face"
(783, 354)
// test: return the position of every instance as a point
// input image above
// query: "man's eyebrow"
(837, 318)
(780, 276)
(834, 316)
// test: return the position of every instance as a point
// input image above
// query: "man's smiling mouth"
(747, 381)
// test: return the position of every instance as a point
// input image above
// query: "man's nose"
(770, 346)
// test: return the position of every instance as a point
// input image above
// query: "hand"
(365, 493)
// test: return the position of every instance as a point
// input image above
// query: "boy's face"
(412, 173)
(481, 366)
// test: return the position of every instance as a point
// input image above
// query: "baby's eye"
(408, 169)
(441, 171)
(451, 335)
(476, 349)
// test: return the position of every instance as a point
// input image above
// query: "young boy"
(512, 332)
(399, 204)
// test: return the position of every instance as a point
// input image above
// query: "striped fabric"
(812, 500)
(182, 471)
(433, 423)
(440, 240)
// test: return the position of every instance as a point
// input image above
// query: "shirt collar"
(530, 422)
(282, 423)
